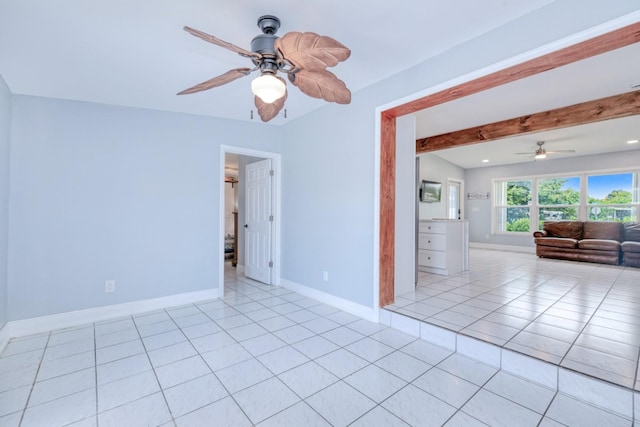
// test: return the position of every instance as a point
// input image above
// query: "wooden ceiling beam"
(613, 107)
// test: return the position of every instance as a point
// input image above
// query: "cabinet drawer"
(431, 259)
(432, 227)
(437, 242)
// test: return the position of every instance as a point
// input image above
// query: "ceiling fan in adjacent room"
(541, 152)
(302, 57)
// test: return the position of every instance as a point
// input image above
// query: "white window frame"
(534, 207)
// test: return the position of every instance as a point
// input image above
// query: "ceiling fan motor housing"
(264, 44)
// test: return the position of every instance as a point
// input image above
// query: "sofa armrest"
(540, 233)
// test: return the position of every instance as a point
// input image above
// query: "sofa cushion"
(602, 230)
(630, 247)
(599, 244)
(568, 229)
(632, 231)
(557, 242)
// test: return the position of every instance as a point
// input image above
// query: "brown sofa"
(590, 241)
(631, 245)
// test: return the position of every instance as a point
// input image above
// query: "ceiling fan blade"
(321, 84)
(310, 51)
(220, 80)
(561, 151)
(211, 39)
(269, 111)
(531, 152)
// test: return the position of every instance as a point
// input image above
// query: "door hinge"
(271, 218)
(270, 264)
(271, 172)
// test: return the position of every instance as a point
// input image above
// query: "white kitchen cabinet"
(443, 246)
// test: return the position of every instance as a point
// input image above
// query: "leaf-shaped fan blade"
(269, 111)
(222, 79)
(309, 51)
(211, 39)
(322, 84)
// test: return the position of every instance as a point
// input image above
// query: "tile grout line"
(155, 374)
(33, 384)
(95, 370)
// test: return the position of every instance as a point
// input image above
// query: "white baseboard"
(35, 325)
(368, 313)
(510, 248)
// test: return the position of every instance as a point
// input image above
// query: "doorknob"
(246, 226)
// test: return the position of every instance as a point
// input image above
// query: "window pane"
(518, 193)
(613, 213)
(513, 219)
(559, 191)
(558, 214)
(614, 189)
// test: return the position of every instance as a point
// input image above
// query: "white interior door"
(454, 200)
(258, 221)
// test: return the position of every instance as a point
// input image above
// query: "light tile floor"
(581, 316)
(263, 356)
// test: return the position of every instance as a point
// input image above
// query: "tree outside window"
(558, 199)
(612, 197)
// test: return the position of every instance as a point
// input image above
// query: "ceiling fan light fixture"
(268, 88)
(540, 156)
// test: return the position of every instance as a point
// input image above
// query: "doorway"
(236, 161)
(561, 53)
(454, 199)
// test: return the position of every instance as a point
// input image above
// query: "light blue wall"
(434, 168)
(5, 132)
(328, 156)
(102, 192)
(478, 212)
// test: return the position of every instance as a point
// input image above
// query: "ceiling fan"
(302, 57)
(541, 152)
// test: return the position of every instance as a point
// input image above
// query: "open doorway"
(455, 189)
(249, 215)
(559, 54)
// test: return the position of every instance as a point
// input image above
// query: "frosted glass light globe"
(268, 88)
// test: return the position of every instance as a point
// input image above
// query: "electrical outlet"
(110, 286)
(325, 276)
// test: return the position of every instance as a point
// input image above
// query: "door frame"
(276, 164)
(460, 183)
(590, 42)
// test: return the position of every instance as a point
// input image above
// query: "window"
(558, 199)
(513, 205)
(612, 197)
(524, 204)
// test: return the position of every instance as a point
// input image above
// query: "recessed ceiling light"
(485, 161)
(632, 141)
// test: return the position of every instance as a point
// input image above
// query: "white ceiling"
(594, 78)
(135, 53)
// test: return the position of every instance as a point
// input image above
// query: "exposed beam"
(613, 107)
(583, 50)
